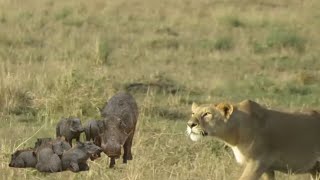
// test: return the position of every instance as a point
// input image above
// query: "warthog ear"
(226, 109)
(194, 106)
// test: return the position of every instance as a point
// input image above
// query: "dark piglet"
(76, 158)
(70, 128)
(120, 117)
(27, 157)
(48, 155)
(23, 158)
(92, 129)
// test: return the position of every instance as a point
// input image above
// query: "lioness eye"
(205, 114)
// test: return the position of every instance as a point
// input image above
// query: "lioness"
(261, 139)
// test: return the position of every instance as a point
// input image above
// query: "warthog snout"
(75, 130)
(81, 129)
(111, 150)
(99, 149)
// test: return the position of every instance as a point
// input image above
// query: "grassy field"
(66, 58)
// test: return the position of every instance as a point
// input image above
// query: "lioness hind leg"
(315, 175)
(315, 172)
(269, 175)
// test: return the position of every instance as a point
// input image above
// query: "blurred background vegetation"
(66, 58)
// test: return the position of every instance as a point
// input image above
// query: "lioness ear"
(226, 109)
(194, 106)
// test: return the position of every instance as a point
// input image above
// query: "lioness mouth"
(204, 133)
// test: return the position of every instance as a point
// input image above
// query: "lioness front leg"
(253, 170)
(315, 172)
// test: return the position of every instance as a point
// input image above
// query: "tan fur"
(262, 140)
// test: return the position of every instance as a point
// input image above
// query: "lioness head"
(208, 120)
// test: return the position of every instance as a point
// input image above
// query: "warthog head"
(116, 132)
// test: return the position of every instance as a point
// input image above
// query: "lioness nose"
(191, 124)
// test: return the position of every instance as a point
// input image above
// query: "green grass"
(223, 43)
(279, 38)
(60, 59)
(63, 13)
(103, 50)
(233, 21)
(220, 43)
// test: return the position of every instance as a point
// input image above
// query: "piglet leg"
(74, 167)
(112, 162)
(83, 167)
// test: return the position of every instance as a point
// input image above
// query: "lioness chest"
(238, 155)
